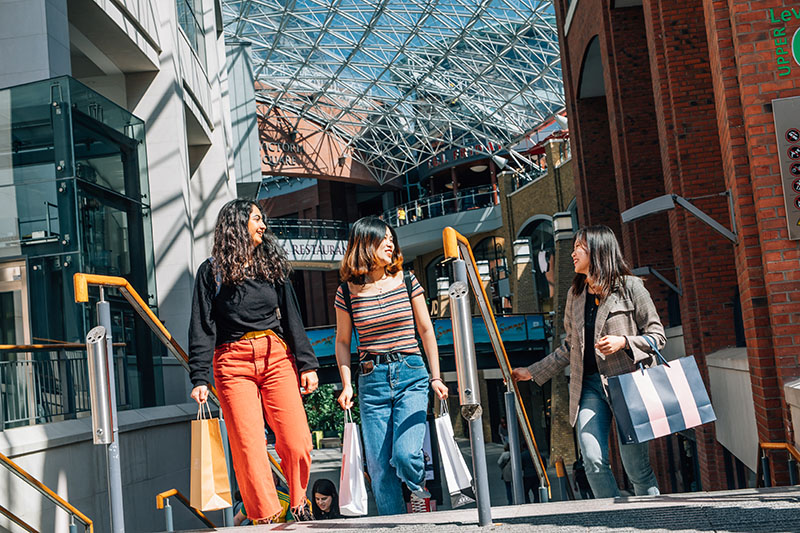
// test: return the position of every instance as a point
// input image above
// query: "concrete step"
(749, 510)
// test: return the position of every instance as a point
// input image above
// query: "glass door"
(14, 322)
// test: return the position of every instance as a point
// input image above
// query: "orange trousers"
(256, 379)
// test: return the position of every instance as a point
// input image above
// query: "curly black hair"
(234, 258)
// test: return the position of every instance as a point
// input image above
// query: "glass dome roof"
(398, 81)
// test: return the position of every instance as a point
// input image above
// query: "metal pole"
(168, 515)
(792, 472)
(72, 527)
(112, 451)
(513, 447)
(469, 390)
(765, 469)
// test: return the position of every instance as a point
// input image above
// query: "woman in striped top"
(384, 307)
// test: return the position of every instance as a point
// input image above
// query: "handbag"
(352, 486)
(663, 399)
(456, 473)
(210, 487)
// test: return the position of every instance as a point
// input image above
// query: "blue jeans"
(393, 401)
(594, 424)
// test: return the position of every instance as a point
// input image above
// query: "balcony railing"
(52, 386)
(294, 228)
(440, 204)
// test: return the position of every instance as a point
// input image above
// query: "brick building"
(676, 98)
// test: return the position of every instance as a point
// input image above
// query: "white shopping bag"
(352, 486)
(456, 474)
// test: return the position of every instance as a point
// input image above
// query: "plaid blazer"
(628, 311)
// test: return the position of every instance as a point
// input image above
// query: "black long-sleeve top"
(224, 314)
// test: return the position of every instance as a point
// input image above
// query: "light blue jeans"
(594, 425)
(393, 401)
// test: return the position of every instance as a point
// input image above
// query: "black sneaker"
(302, 513)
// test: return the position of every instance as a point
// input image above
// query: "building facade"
(680, 101)
(117, 149)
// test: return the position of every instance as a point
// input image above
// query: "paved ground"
(749, 510)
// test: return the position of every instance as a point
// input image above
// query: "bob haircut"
(607, 266)
(359, 259)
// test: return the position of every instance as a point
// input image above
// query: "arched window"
(492, 252)
(539, 232)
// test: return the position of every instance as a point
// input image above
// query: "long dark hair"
(326, 488)
(607, 267)
(233, 249)
(366, 236)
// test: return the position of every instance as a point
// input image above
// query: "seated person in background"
(324, 500)
(240, 515)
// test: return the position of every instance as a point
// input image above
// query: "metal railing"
(57, 500)
(438, 205)
(162, 502)
(47, 383)
(296, 228)
(456, 247)
(764, 466)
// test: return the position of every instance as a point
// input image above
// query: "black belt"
(383, 357)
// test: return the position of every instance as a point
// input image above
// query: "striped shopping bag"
(653, 402)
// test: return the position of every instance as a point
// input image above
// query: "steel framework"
(398, 81)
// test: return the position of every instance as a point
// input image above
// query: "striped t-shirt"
(384, 322)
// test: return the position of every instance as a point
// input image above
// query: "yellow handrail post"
(45, 491)
(456, 246)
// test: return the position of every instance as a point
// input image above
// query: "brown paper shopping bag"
(211, 489)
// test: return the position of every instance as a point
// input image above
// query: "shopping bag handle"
(348, 414)
(443, 409)
(201, 413)
(655, 349)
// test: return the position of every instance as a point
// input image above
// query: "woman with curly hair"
(384, 307)
(246, 325)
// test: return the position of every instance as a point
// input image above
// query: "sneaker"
(302, 513)
(420, 501)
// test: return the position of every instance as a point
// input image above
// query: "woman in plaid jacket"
(610, 306)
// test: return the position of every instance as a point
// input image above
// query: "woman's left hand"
(439, 388)
(309, 381)
(609, 344)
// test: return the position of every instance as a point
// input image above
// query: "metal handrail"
(162, 502)
(445, 203)
(49, 347)
(781, 446)
(764, 465)
(17, 520)
(457, 246)
(302, 228)
(46, 492)
(81, 283)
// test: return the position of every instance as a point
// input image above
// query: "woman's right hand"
(200, 394)
(521, 374)
(346, 397)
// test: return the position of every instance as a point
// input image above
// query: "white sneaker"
(420, 501)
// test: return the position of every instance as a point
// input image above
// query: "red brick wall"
(634, 142)
(741, 38)
(692, 163)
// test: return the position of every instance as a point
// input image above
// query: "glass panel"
(105, 234)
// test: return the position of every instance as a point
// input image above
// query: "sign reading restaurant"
(314, 250)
